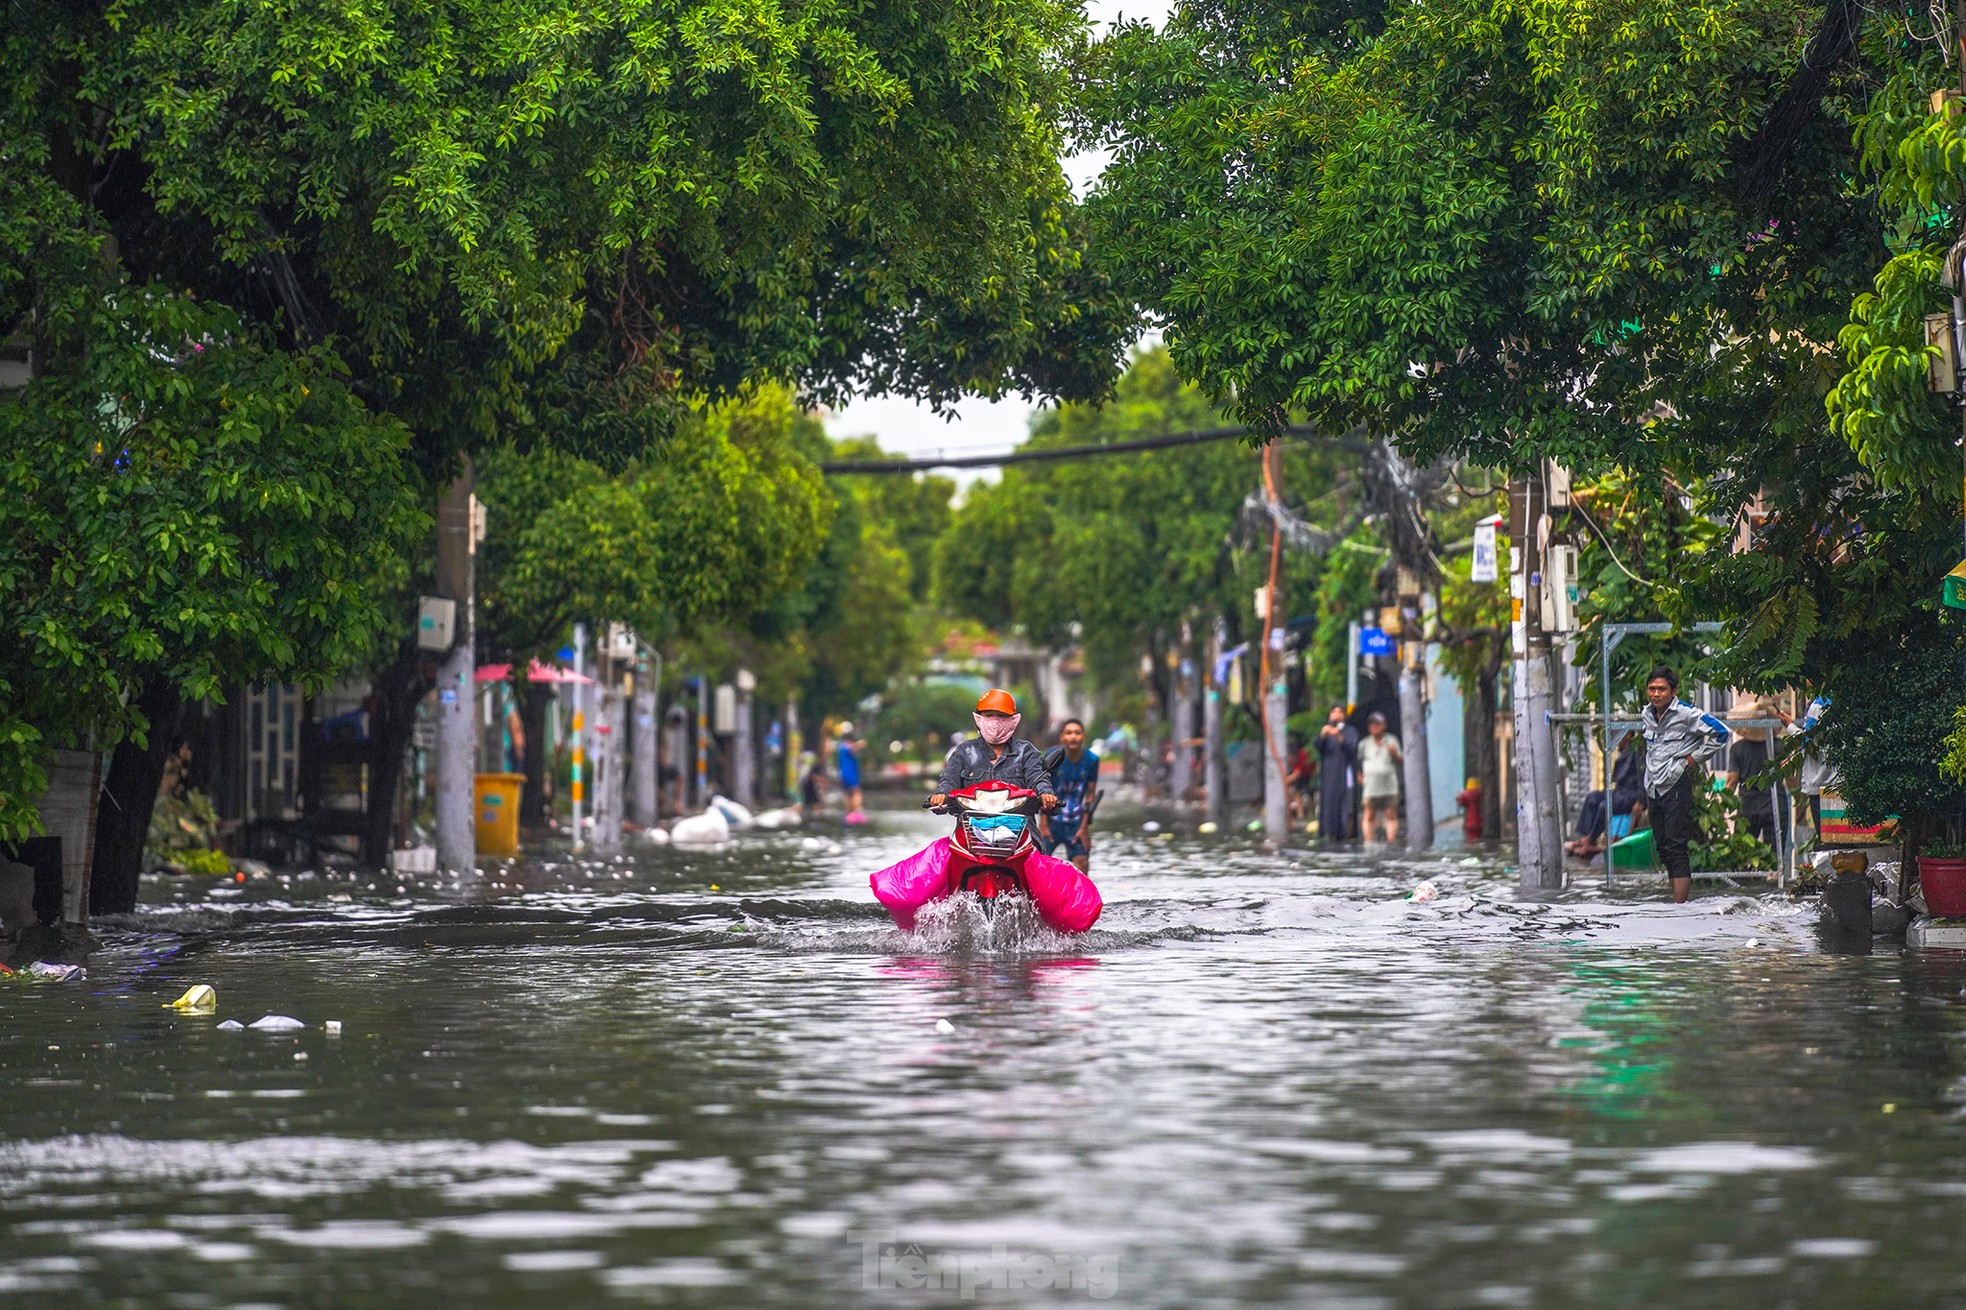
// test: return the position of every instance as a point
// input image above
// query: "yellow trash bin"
(498, 812)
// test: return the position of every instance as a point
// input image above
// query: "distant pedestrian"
(1678, 738)
(812, 786)
(847, 759)
(1817, 776)
(1746, 758)
(675, 747)
(1298, 781)
(1379, 760)
(1337, 750)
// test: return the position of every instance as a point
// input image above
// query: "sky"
(979, 427)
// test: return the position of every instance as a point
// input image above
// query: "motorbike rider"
(999, 755)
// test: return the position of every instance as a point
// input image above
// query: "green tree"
(1114, 554)
(186, 509)
(1630, 236)
(716, 521)
(526, 217)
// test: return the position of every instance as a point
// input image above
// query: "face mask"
(997, 731)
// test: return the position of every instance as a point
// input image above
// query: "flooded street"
(1260, 1081)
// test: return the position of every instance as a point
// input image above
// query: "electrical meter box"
(1560, 589)
(621, 642)
(436, 617)
(724, 718)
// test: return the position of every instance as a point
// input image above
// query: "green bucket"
(1635, 852)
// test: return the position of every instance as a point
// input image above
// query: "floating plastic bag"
(198, 1000)
(275, 1023)
(736, 814)
(709, 828)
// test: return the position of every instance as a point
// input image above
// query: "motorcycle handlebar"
(1029, 805)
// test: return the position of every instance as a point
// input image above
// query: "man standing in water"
(999, 755)
(1677, 738)
(1337, 752)
(1075, 774)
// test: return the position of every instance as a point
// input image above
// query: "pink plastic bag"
(1065, 898)
(912, 883)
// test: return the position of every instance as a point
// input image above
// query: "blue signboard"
(1374, 641)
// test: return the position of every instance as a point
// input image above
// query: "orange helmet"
(997, 699)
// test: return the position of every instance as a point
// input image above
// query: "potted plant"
(1942, 873)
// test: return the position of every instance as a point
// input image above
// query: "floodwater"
(1263, 1080)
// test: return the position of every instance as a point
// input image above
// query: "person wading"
(1337, 750)
(1677, 738)
(1075, 773)
(1379, 762)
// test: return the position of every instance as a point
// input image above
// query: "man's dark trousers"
(1672, 825)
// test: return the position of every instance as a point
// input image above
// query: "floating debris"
(198, 1000)
(275, 1023)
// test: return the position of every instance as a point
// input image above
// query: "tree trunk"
(534, 697)
(392, 721)
(130, 794)
(1483, 756)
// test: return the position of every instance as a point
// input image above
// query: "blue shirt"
(849, 766)
(1071, 782)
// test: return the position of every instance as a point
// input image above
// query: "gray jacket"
(1670, 737)
(1020, 766)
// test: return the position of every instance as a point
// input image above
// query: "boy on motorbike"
(999, 755)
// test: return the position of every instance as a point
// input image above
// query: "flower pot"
(1944, 882)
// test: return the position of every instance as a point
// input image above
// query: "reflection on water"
(723, 1078)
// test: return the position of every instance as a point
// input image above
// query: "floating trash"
(199, 999)
(944, 1027)
(232, 1026)
(1208, 828)
(1151, 825)
(332, 1027)
(54, 972)
(275, 1023)
(1423, 893)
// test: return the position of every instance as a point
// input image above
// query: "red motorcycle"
(996, 831)
(992, 852)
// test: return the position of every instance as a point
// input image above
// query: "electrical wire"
(1047, 455)
(1591, 522)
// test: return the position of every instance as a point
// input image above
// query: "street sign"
(1484, 553)
(1374, 641)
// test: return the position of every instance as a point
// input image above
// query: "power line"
(1026, 456)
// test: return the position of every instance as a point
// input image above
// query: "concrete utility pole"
(1276, 685)
(1181, 777)
(641, 792)
(577, 734)
(1413, 715)
(702, 743)
(1214, 763)
(795, 744)
(610, 727)
(744, 744)
(457, 685)
(1539, 821)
